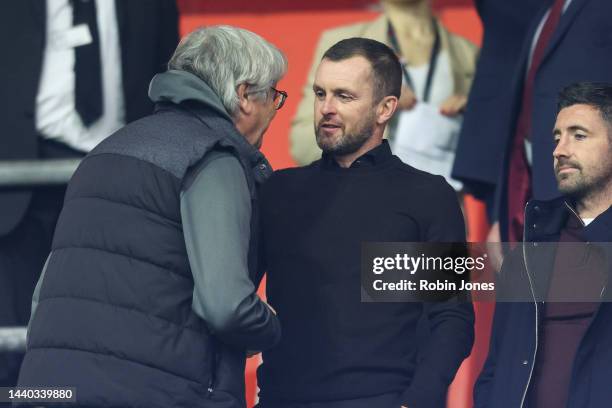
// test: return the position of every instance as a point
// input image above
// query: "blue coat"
(580, 50)
(508, 369)
(506, 26)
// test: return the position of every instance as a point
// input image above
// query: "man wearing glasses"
(279, 98)
(146, 297)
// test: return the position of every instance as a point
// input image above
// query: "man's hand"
(253, 353)
(407, 99)
(453, 105)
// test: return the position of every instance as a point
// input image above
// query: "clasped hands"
(452, 106)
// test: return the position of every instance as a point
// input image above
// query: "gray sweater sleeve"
(216, 217)
(36, 294)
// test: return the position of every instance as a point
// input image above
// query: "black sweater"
(334, 347)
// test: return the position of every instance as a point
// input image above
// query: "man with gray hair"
(146, 298)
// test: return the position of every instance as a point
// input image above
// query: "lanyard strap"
(433, 59)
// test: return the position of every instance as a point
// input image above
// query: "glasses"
(279, 98)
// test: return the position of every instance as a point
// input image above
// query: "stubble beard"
(345, 143)
(579, 186)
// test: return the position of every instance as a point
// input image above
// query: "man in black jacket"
(336, 351)
(79, 70)
(145, 300)
(556, 351)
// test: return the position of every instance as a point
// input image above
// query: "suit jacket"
(304, 149)
(580, 50)
(505, 29)
(148, 33)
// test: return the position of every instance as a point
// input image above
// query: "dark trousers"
(22, 256)
(379, 401)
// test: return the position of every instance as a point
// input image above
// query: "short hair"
(595, 94)
(225, 57)
(386, 68)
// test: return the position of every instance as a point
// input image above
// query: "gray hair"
(225, 57)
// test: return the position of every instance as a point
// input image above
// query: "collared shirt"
(56, 115)
(371, 158)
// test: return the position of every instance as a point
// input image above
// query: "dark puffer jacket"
(115, 318)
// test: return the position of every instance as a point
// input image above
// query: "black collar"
(372, 158)
(600, 229)
(545, 219)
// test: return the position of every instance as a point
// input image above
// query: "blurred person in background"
(505, 26)
(80, 70)
(437, 71)
(146, 298)
(479, 150)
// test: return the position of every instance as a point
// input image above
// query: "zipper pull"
(210, 388)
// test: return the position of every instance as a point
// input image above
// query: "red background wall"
(295, 27)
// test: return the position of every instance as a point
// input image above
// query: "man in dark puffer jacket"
(146, 298)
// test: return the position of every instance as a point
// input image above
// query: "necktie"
(87, 68)
(519, 183)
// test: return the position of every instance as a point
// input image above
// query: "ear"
(244, 102)
(386, 108)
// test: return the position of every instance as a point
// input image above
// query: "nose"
(327, 107)
(561, 150)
